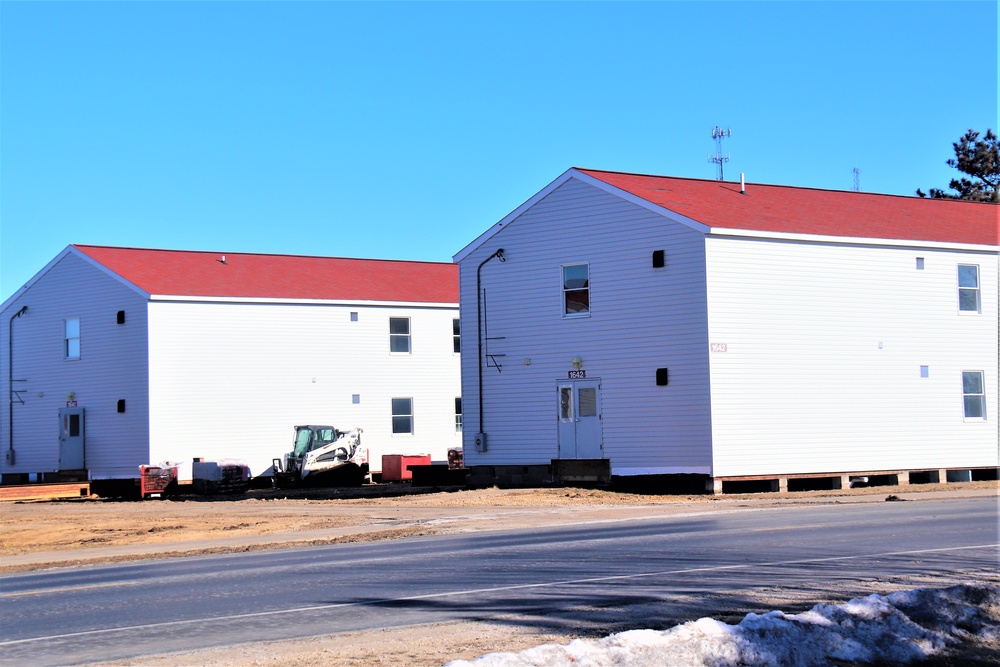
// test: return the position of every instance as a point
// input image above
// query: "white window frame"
(69, 340)
(456, 336)
(458, 414)
(981, 395)
(402, 415)
(975, 289)
(565, 291)
(395, 337)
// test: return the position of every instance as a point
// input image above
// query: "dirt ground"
(42, 534)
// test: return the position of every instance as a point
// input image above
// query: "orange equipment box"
(395, 467)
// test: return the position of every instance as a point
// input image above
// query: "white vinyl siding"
(308, 364)
(113, 367)
(819, 369)
(662, 311)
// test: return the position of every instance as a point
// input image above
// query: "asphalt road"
(72, 616)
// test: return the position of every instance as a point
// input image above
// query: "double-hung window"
(399, 335)
(456, 335)
(71, 338)
(458, 414)
(402, 415)
(974, 395)
(576, 290)
(968, 288)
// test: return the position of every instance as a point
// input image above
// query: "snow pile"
(898, 628)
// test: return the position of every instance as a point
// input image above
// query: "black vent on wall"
(121, 405)
(661, 377)
(658, 259)
(121, 318)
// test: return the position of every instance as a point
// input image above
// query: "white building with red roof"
(119, 357)
(639, 325)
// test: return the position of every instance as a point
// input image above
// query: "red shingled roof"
(775, 208)
(187, 273)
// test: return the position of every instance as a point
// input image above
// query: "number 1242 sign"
(717, 347)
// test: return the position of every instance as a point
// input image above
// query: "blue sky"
(404, 130)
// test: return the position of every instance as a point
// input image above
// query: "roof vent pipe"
(743, 184)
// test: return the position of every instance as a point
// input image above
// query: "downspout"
(480, 435)
(10, 380)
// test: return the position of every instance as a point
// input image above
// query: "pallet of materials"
(225, 476)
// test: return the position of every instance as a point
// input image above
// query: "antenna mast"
(857, 179)
(719, 134)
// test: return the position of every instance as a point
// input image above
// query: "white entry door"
(71, 439)
(580, 420)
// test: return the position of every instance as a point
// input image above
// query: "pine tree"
(980, 159)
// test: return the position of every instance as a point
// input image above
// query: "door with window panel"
(71, 439)
(579, 405)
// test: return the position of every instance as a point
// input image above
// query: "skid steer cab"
(323, 456)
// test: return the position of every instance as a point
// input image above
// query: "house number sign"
(717, 347)
(577, 375)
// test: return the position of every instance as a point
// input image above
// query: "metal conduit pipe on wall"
(480, 435)
(10, 382)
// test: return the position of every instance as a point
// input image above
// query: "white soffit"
(724, 232)
(301, 302)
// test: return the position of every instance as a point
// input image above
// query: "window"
(402, 415)
(356, 399)
(71, 344)
(973, 394)
(456, 335)
(565, 403)
(576, 289)
(71, 425)
(458, 414)
(399, 334)
(587, 396)
(968, 287)
(354, 316)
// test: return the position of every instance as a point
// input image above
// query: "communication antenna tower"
(857, 179)
(719, 134)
